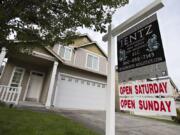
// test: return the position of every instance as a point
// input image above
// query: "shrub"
(2, 104)
(177, 118)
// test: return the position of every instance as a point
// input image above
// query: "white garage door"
(77, 93)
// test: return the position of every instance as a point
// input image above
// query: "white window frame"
(22, 76)
(65, 47)
(90, 54)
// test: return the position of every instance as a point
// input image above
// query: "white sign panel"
(150, 88)
(149, 106)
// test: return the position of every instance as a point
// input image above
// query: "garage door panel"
(75, 93)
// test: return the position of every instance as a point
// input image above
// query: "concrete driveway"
(125, 124)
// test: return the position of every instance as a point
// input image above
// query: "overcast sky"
(169, 21)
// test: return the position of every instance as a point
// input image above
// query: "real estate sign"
(147, 98)
(140, 51)
(150, 88)
(149, 106)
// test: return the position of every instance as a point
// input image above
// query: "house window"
(92, 62)
(17, 77)
(2, 67)
(65, 52)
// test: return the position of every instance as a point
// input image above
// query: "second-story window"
(65, 52)
(92, 62)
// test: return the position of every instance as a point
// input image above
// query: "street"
(125, 124)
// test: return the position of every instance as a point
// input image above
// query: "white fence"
(10, 94)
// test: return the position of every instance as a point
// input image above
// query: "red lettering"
(150, 104)
(155, 88)
(165, 86)
(168, 104)
(140, 92)
(162, 107)
(133, 104)
(125, 90)
(121, 91)
(140, 105)
(136, 89)
(145, 105)
(161, 90)
(156, 105)
(126, 103)
(151, 88)
(121, 103)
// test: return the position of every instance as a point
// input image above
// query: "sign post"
(110, 109)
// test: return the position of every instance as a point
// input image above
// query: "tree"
(45, 22)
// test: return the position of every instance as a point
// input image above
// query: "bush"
(2, 104)
(177, 118)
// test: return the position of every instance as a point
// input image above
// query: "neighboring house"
(71, 77)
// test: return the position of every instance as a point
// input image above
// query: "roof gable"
(95, 49)
(81, 41)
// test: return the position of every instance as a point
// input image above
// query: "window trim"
(22, 76)
(90, 54)
(65, 47)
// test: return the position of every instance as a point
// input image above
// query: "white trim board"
(81, 78)
(42, 55)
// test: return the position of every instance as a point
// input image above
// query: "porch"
(28, 79)
(9, 94)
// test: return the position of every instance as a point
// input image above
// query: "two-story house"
(70, 77)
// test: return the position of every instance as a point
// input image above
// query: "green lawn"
(24, 122)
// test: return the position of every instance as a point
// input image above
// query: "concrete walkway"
(125, 124)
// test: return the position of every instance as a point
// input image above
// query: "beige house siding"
(4, 80)
(81, 60)
(93, 48)
(103, 65)
(81, 41)
(79, 57)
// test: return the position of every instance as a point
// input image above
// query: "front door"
(35, 86)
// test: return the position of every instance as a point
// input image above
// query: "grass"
(24, 122)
